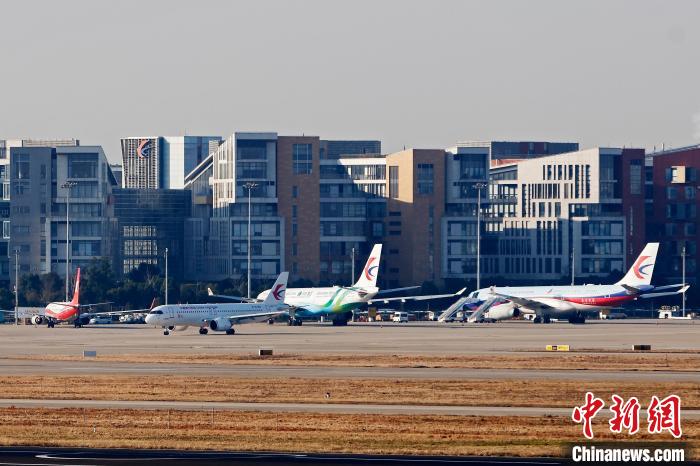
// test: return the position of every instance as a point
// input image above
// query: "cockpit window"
(156, 312)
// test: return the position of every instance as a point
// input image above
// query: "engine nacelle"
(37, 320)
(503, 312)
(220, 324)
(177, 328)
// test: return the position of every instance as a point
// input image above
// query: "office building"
(674, 211)
(162, 162)
(45, 178)
(146, 223)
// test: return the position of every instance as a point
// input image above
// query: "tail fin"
(643, 267)
(76, 293)
(368, 277)
(276, 294)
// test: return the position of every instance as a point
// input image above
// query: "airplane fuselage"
(61, 311)
(562, 301)
(325, 301)
(199, 314)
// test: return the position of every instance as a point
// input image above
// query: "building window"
(295, 191)
(636, 177)
(394, 182)
(425, 178)
(301, 156)
(82, 166)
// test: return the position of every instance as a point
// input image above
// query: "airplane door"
(169, 313)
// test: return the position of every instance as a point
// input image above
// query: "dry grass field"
(304, 390)
(601, 361)
(304, 432)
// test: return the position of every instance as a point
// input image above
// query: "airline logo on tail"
(371, 270)
(641, 271)
(368, 277)
(278, 292)
(639, 268)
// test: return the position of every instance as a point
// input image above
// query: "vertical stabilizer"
(368, 277)
(643, 267)
(276, 294)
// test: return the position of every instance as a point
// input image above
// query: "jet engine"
(220, 324)
(503, 312)
(37, 320)
(177, 328)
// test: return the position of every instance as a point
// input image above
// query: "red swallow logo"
(370, 271)
(144, 148)
(278, 292)
(638, 271)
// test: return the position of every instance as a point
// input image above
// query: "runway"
(39, 456)
(86, 367)
(415, 338)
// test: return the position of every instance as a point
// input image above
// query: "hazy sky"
(413, 73)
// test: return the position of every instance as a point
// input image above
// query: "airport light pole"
(166, 275)
(478, 186)
(352, 268)
(68, 185)
(249, 186)
(16, 286)
(683, 261)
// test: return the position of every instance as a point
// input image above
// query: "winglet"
(210, 292)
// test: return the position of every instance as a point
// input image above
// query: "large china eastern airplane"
(220, 317)
(571, 302)
(71, 311)
(337, 302)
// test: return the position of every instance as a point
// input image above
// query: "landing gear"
(50, 324)
(294, 322)
(546, 320)
(270, 321)
(577, 319)
(166, 332)
(203, 331)
(230, 331)
(77, 324)
(537, 320)
(340, 322)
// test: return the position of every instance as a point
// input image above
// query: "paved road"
(414, 338)
(76, 456)
(335, 408)
(36, 367)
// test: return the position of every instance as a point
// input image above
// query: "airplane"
(339, 301)
(571, 302)
(220, 317)
(70, 311)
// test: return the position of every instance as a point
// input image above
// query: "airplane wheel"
(230, 331)
(270, 321)
(290, 322)
(537, 320)
(203, 331)
(546, 320)
(166, 332)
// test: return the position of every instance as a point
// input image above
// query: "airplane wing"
(403, 299)
(665, 293)
(237, 319)
(396, 290)
(232, 298)
(95, 304)
(524, 302)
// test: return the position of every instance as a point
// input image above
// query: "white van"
(400, 317)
